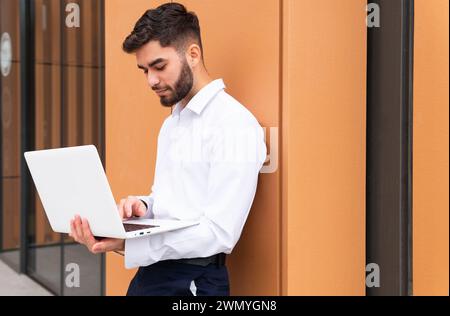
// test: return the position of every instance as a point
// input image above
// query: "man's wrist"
(121, 249)
(123, 245)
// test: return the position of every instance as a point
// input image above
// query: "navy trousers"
(173, 278)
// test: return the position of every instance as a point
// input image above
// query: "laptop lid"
(71, 181)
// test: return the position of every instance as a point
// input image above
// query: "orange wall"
(430, 146)
(132, 120)
(246, 55)
(324, 102)
(305, 233)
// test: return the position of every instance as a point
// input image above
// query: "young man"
(210, 152)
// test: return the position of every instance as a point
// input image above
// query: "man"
(210, 152)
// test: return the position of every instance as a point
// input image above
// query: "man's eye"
(145, 71)
(160, 68)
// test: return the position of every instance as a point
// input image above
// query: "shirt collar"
(201, 99)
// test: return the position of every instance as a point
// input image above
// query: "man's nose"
(152, 79)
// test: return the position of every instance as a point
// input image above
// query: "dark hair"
(170, 24)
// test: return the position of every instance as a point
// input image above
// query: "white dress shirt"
(208, 160)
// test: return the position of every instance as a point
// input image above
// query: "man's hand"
(81, 233)
(131, 206)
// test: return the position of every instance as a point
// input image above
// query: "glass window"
(68, 96)
(10, 143)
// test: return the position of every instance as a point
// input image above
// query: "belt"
(218, 260)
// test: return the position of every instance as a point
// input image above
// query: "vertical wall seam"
(282, 290)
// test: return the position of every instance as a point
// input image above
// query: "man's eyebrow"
(156, 61)
(153, 63)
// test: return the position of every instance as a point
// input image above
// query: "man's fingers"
(73, 232)
(128, 208)
(107, 244)
(121, 210)
(139, 208)
(78, 229)
(87, 234)
(98, 247)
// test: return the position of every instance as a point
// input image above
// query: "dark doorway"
(389, 147)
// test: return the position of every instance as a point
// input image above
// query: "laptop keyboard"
(134, 227)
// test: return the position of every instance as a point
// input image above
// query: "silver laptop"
(71, 181)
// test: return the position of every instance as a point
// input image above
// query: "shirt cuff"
(147, 200)
(145, 203)
(143, 251)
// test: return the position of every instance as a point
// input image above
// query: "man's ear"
(194, 55)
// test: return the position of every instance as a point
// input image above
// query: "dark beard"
(183, 86)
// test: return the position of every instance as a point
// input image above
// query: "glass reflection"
(68, 72)
(10, 134)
